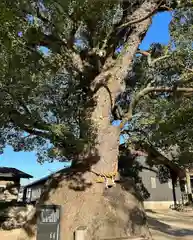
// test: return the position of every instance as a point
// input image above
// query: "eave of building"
(7, 172)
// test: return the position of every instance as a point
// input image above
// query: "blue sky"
(26, 161)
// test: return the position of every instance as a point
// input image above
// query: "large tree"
(59, 103)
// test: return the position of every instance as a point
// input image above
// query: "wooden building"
(10, 183)
(32, 191)
(161, 195)
(149, 158)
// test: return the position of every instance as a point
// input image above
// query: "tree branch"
(161, 159)
(189, 69)
(29, 116)
(142, 52)
(141, 19)
(128, 116)
(28, 129)
(159, 59)
(25, 121)
(32, 131)
(148, 55)
(186, 79)
(46, 40)
(30, 49)
(25, 107)
(118, 71)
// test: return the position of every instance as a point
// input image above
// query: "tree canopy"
(163, 116)
(44, 98)
(66, 68)
(45, 95)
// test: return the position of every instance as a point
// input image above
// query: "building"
(32, 191)
(161, 195)
(148, 158)
(10, 183)
(187, 188)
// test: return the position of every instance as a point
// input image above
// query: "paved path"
(171, 225)
(16, 234)
(164, 225)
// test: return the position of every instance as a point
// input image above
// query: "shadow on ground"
(157, 225)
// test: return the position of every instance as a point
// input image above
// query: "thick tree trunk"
(117, 211)
(106, 213)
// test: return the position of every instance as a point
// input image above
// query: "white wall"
(36, 192)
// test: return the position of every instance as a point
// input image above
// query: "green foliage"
(45, 102)
(165, 119)
(42, 95)
(163, 174)
(45, 99)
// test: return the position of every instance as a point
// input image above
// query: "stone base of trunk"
(105, 213)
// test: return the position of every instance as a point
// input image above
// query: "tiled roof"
(44, 179)
(13, 172)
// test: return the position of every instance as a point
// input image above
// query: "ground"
(171, 225)
(164, 225)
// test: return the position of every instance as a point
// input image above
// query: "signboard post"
(48, 225)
